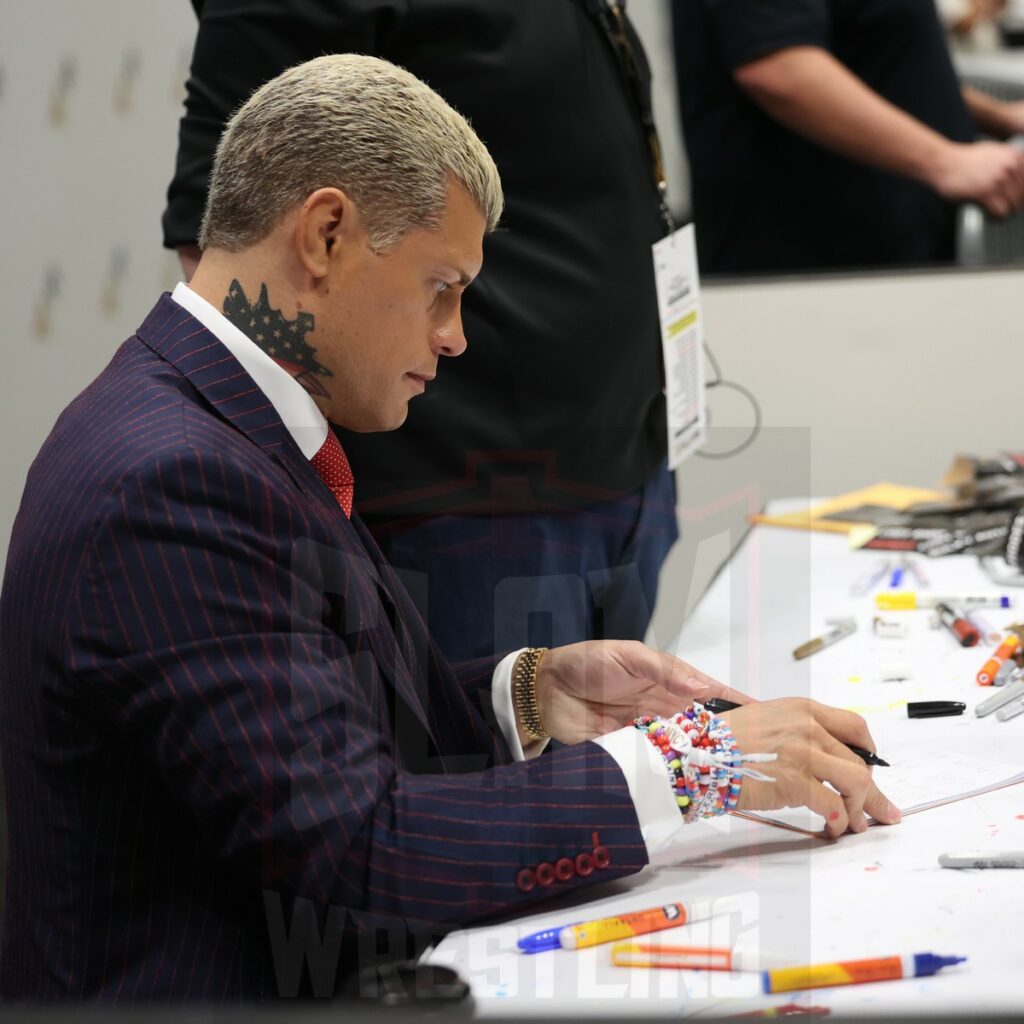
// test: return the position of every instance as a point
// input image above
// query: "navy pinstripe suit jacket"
(222, 721)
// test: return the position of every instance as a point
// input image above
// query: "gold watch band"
(524, 692)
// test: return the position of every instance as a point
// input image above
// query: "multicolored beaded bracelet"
(703, 762)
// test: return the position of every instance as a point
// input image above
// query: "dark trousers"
(492, 584)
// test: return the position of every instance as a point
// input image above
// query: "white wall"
(90, 94)
(652, 21)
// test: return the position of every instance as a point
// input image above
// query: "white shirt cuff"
(658, 814)
(501, 695)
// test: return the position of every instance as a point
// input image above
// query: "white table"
(803, 899)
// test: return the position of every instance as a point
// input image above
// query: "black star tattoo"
(302, 362)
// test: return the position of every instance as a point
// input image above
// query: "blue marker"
(896, 578)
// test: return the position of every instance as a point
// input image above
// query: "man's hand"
(810, 739)
(988, 173)
(589, 689)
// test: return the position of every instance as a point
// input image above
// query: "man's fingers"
(881, 808)
(851, 777)
(871, 802)
(829, 804)
(845, 726)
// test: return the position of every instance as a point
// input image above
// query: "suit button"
(602, 858)
(584, 865)
(526, 880)
(545, 874)
(564, 869)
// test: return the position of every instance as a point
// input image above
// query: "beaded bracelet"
(703, 762)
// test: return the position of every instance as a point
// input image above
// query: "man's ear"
(328, 223)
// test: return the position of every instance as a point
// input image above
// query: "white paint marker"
(983, 859)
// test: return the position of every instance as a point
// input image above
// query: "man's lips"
(421, 379)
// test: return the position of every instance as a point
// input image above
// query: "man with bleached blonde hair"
(364, 126)
(532, 487)
(236, 764)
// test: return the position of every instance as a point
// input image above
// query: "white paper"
(920, 776)
(682, 341)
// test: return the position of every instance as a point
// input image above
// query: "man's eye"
(441, 286)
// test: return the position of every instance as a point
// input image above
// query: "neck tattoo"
(282, 339)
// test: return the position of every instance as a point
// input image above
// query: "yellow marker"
(907, 600)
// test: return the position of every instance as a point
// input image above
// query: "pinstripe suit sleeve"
(193, 635)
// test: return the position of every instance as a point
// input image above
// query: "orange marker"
(1004, 651)
(684, 958)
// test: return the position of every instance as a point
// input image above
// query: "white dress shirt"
(643, 767)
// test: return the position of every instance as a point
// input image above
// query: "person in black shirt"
(833, 134)
(529, 488)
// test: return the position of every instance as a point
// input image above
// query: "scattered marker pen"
(840, 628)
(890, 629)
(856, 972)
(907, 600)
(1002, 654)
(983, 859)
(917, 572)
(608, 929)
(1008, 673)
(966, 635)
(685, 958)
(1005, 695)
(1011, 710)
(868, 581)
(986, 630)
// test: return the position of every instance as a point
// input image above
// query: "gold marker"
(840, 628)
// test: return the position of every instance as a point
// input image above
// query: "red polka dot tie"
(332, 465)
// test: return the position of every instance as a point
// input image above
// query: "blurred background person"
(827, 134)
(972, 25)
(529, 488)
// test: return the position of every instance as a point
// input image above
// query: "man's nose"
(448, 338)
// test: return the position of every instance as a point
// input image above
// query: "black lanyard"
(612, 20)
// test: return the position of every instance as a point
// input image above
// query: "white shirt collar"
(298, 412)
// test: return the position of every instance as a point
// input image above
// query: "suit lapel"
(179, 338)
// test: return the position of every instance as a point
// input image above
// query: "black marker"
(717, 705)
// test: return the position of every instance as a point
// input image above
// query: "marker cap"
(900, 601)
(541, 942)
(928, 963)
(934, 708)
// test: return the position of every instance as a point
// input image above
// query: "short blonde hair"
(352, 122)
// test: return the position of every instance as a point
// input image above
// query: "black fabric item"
(558, 401)
(768, 200)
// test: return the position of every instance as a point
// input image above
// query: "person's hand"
(1013, 112)
(810, 739)
(988, 173)
(589, 689)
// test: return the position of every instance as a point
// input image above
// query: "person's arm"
(810, 92)
(994, 117)
(196, 634)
